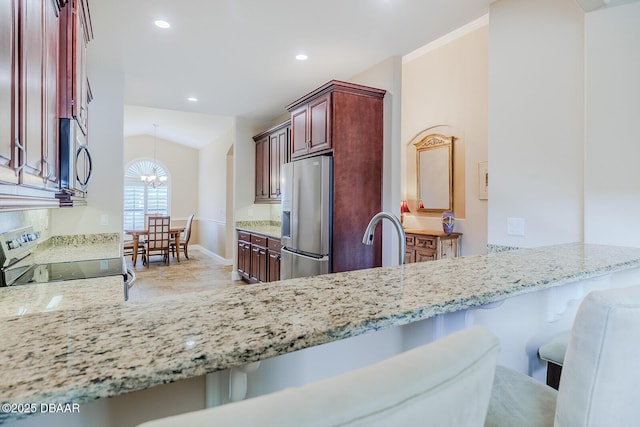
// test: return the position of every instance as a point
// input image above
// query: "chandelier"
(153, 180)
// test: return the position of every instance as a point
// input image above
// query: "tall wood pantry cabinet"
(345, 120)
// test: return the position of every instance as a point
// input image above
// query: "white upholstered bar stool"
(600, 376)
(553, 352)
(445, 383)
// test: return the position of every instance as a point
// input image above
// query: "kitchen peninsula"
(86, 353)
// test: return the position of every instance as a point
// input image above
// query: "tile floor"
(199, 272)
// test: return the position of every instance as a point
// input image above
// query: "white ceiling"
(237, 56)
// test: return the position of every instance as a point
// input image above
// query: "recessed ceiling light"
(192, 99)
(162, 24)
(301, 57)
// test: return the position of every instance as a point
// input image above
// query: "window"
(141, 198)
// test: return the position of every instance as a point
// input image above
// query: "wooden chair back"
(159, 236)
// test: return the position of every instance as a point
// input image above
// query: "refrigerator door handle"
(293, 264)
(309, 257)
(295, 209)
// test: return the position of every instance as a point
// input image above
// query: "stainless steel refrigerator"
(307, 193)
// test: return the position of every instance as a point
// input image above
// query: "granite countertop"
(266, 228)
(87, 353)
(55, 296)
(78, 247)
(43, 297)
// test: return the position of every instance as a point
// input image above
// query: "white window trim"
(135, 181)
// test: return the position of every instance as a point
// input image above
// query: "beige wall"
(244, 174)
(536, 123)
(213, 197)
(38, 218)
(445, 90)
(105, 143)
(612, 149)
(181, 164)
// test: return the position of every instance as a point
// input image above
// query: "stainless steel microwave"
(76, 165)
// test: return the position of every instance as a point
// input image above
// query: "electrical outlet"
(104, 219)
(515, 226)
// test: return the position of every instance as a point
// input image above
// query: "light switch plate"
(104, 219)
(515, 226)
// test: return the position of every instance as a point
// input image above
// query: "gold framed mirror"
(434, 167)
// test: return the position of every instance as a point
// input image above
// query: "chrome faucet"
(367, 239)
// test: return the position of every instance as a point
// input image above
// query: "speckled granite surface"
(86, 353)
(78, 247)
(45, 297)
(266, 228)
(501, 248)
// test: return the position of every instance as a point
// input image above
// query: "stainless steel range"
(19, 266)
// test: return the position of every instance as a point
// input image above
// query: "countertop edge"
(216, 359)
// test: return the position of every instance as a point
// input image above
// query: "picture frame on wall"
(483, 180)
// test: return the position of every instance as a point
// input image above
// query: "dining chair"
(127, 249)
(444, 383)
(600, 375)
(184, 239)
(158, 237)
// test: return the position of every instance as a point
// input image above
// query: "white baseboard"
(213, 255)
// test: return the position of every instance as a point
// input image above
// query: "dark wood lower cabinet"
(274, 259)
(258, 263)
(244, 255)
(258, 257)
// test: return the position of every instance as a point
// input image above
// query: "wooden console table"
(430, 245)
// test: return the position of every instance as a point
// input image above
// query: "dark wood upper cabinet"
(262, 169)
(29, 54)
(278, 155)
(310, 125)
(299, 131)
(43, 64)
(51, 134)
(8, 91)
(32, 54)
(272, 151)
(320, 124)
(75, 33)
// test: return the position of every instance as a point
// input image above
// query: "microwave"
(76, 165)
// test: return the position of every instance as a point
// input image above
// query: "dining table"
(174, 231)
